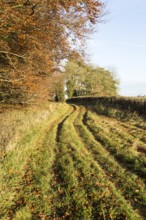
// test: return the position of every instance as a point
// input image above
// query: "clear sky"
(120, 43)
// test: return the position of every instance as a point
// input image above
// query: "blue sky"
(120, 44)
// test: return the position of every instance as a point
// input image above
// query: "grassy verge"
(17, 122)
(26, 171)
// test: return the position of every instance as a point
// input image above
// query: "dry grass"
(17, 121)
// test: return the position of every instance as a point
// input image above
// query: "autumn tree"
(35, 36)
(87, 80)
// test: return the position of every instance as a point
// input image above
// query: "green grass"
(116, 146)
(99, 191)
(64, 162)
(24, 171)
(131, 186)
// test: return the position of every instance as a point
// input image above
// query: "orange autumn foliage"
(35, 36)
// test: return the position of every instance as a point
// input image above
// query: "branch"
(11, 81)
(17, 55)
(18, 6)
(33, 9)
(5, 79)
(11, 62)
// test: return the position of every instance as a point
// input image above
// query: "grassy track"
(118, 146)
(130, 185)
(72, 164)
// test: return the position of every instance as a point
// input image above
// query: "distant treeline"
(123, 103)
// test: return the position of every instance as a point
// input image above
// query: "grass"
(66, 162)
(115, 144)
(25, 170)
(93, 180)
(132, 188)
(17, 122)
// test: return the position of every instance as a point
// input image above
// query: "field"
(72, 162)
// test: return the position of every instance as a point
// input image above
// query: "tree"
(86, 80)
(75, 72)
(36, 35)
(59, 87)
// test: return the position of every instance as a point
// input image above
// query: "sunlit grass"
(64, 162)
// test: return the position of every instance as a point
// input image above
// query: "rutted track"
(132, 188)
(73, 172)
(75, 180)
(117, 146)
